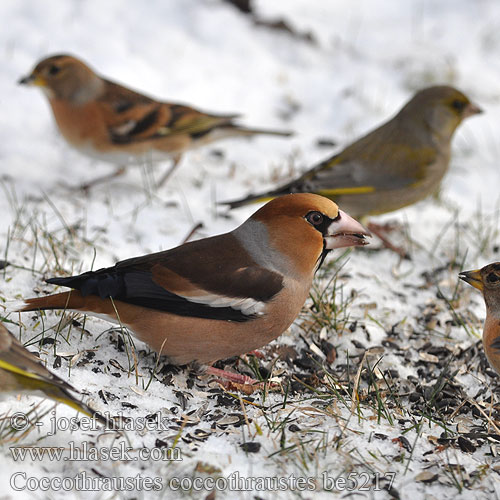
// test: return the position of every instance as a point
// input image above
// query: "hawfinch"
(22, 371)
(397, 164)
(221, 296)
(487, 280)
(105, 120)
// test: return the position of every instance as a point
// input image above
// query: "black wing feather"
(138, 288)
(496, 344)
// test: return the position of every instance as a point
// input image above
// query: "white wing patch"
(124, 128)
(248, 306)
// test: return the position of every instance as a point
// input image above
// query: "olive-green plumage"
(22, 371)
(395, 165)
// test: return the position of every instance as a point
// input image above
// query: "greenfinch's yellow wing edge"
(349, 190)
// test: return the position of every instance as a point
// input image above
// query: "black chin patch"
(322, 256)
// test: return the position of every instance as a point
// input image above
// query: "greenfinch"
(397, 164)
(22, 371)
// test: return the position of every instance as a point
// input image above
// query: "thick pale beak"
(472, 109)
(345, 231)
(33, 80)
(473, 278)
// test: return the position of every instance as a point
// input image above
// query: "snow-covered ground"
(364, 61)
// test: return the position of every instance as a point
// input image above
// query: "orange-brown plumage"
(220, 296)
(487, 280)
(109, 121)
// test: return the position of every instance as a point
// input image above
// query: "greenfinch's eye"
(53, 70)
(315, 218)
(458, 105)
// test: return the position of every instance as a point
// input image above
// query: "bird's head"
(65, 77)
(487, 281)
(302, 228)
(441, 108)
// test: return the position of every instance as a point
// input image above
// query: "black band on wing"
(122, 106)
(140, 127)
(138, 288)
(496, 344)
(148, 120)
(176, 112)
(200, 133)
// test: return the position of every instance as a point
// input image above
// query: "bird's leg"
(243, 383)
(257, 354)
(378, 230)
(176, 160)
(387, 227)
(236, 378)
(191, 233)
(86, 187)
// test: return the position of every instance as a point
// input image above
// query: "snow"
(367, 61)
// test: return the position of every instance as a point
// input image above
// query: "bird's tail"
(72, 300)
(246, 131)
(65, 300)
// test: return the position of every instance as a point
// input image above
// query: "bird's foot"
(387, 227)
(236, 381)
(379, 229)
(237, 378)
(257, 354)
(87, 186)
(169, 172)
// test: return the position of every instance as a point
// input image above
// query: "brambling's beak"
(33, 80)
(473, 278)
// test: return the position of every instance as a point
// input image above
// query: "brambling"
(22, 371)
(397, 164)
(487, 281)
(221, 296)
(113, 123)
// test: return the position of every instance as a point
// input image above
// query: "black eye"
(315, 218)
(458, 105)
(53, 70)
(492, 277)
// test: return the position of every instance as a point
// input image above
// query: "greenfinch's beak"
(473, 278)
(472, 109)
(33, 80)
